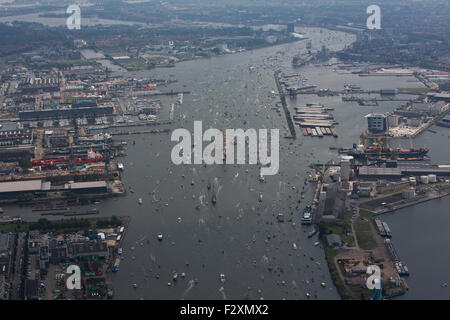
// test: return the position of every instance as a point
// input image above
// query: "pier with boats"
(315, 120)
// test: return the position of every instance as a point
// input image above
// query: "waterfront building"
(377, 123)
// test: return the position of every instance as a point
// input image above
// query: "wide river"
(239, 236)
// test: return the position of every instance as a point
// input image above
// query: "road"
(16, 274)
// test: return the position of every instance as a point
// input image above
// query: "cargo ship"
(359, 152)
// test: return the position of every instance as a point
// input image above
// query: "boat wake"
(222, 291)
(191, 284)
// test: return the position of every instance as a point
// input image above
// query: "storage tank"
(432, 178)
(424, 179)
(409, 193)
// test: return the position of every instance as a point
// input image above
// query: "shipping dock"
(401, 268)
(315, 120)
(383, 228)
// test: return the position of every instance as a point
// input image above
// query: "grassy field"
(56, 225)
(364, 233)
(70, 63)
(135, 65)
(343, 229)
(413, 90)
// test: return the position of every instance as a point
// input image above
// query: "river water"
(239, 236)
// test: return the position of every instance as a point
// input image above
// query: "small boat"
(222, 277)
(175, 276)
(209, 186)
(134, 285)
(312, 233)
(192, 182)
(140, 200)
(260, 197)
(160, 237)
(280, 217)
(214, 199)
(323, 284)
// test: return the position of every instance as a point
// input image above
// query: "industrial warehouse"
(16, 189)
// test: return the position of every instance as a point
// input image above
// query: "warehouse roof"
(17, 186)
(372, 171)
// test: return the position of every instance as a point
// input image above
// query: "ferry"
(305, 133)
(319, 132)
(307, 215)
